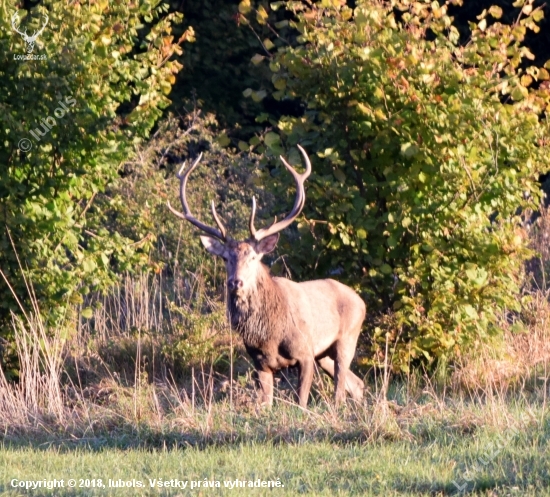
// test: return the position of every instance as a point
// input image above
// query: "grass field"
(492, 446)
(429, 467)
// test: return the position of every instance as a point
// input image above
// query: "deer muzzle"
(234, 284)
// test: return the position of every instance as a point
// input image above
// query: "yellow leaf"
(280, 83)
(244, 7)
(495, 11)
(526, 80)
(364, 109)
(261, 15)
(257, 59)
(258, 96)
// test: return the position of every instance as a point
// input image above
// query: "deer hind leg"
(354, 384)
(341, 369)
(265, 379)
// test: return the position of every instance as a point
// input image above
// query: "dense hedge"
(63, 137)
(426, 152)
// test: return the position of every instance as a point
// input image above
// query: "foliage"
(218, 65)
(425, 154)
(71, 114)
(537, 42)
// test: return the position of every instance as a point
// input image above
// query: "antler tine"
(299, 201)
(187, 215)
(251, 220)
(218, 220)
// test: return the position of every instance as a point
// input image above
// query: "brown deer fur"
(284, 323)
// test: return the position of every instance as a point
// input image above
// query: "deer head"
(242, 258)
(29, 40)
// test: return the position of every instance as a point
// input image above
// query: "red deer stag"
(284, 323)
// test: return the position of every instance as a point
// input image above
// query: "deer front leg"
(306, 379)
(265, 379)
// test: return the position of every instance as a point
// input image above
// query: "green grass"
(521, 466)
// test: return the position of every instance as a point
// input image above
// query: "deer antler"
(298, 202)
(221, 233)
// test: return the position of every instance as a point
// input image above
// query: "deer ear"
(212, 245)
(267, 244)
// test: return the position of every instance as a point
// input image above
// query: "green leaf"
(339, 175)
(409, 150)
(519, 93)
(223, 140)
(272, 139)
(470, 311)
(386, 269)
(519, 327)
(87, 313)
(279, 83)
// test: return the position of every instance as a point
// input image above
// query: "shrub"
(426, 152)
(104, 75)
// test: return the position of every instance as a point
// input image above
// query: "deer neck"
(260, 314)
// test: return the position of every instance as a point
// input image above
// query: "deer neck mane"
(261, 314)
